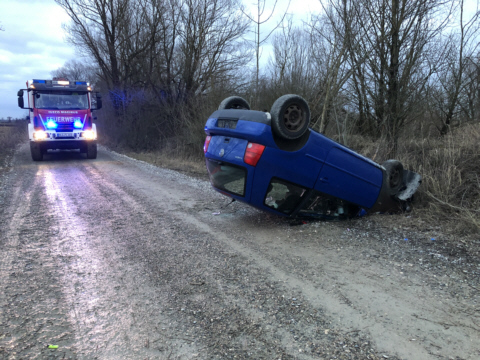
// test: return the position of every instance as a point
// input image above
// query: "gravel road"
(114, 258)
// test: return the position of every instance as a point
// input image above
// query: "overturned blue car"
(275, 162)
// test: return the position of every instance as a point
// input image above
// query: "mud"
(117, 259)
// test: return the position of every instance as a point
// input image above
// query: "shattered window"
(284, 196)
(329, 207)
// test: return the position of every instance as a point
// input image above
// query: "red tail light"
(207, 142)
(253, 153)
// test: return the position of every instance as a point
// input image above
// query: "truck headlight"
(89, 135)
(40, 135)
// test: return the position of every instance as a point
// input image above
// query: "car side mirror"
(99, 100)
(20, 99)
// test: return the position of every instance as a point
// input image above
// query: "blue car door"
(350, 176)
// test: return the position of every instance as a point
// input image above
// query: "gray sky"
(31, 46)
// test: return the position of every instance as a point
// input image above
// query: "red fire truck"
(60, 116)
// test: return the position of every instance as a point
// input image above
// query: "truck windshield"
(61, 100)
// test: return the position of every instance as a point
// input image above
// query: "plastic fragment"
(53, 346)
(433, 239)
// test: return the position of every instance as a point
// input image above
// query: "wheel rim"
(294, 118)
(394, 178)
(238, 107)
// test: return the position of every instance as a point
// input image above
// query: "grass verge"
(10, 137)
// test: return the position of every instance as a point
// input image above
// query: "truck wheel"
(394, 173)
(290, 116)
(234, 102)
(91, 151)
(36, 151)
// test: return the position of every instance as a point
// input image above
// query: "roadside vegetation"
(10, 137)
(390, 79)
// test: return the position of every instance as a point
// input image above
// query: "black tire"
(394, 173)
(290, 116)
(234, 102)
(91, 151)
(36, 152)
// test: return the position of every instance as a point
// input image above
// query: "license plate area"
(227, 123)
(64, 135)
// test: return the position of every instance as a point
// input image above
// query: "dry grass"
(10, 137)
(450, 190)
(450, 166)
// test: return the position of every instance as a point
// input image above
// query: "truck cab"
(60, 116)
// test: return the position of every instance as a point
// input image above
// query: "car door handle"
(323, 180)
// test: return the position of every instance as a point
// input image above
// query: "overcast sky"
(33, 44)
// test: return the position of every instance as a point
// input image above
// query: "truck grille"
(64, 127)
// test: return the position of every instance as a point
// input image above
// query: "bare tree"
(330, 40)
(291, 64)
(259, 18)
(470, 98)
(452, 80)
(95, 30)
(158, 59)
(390, 47)
(210, 42)
(77, 70)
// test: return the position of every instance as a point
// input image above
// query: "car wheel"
(36, 152)
(91, 151)
(234, 102)
(394, 171)
(290, 116)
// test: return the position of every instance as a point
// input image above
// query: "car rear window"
(227, 177)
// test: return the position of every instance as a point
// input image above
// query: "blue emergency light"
(51, 124)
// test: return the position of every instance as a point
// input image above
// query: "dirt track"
(117, 259)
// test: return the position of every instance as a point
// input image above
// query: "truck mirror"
(20, 99)
(99, 101)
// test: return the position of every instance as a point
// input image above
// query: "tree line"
(383, 69)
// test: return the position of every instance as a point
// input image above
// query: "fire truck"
(60, 116)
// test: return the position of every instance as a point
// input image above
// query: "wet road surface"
(117, 259)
